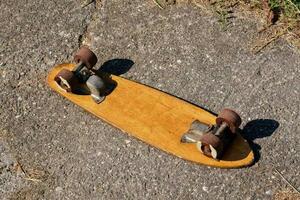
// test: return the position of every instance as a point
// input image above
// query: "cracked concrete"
(181, 50)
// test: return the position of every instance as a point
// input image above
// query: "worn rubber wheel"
(231, 118)
(210, 145)
(67, 80)
(86, 56)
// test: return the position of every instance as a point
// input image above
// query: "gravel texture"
(52, 149)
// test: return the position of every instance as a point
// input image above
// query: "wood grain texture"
(156, 118)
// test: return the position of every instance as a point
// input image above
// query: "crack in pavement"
(85, 37)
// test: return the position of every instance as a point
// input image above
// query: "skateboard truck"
(82, 73)
(96, 86)
(213, 140)
(196, 131)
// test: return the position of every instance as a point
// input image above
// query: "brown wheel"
(66, 79)
(232, 119)
(210, 145)
(86, 56)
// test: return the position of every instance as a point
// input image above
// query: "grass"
(282, 17)
(287, 8)
(223, 16)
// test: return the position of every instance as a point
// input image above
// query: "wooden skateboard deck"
(156, 118)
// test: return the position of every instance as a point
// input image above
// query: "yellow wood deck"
(156, 118)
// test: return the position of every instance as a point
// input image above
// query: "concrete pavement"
(51, 149)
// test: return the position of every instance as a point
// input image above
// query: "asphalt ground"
(52, 149)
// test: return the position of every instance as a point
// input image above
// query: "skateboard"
(157, 118)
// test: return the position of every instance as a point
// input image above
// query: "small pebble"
(205, 189)
(58, 189)
(127, 141)
(269, 192)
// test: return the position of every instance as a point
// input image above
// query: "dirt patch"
(286, 195)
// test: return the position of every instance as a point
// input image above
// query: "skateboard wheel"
(210, 145)
(86, 56)
(231, 118)
(66, 80)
